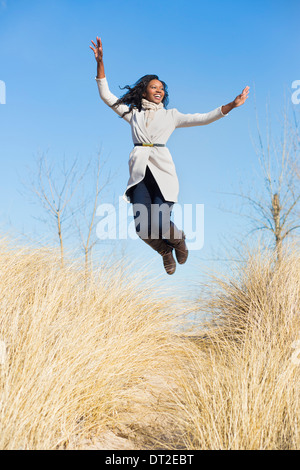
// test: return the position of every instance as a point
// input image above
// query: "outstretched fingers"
(93, 49)
(240, 99)
(244, 95)
(96, 46)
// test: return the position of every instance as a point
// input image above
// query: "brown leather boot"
(176, 240)
(165, 251)
(169, 262)
(181, 250)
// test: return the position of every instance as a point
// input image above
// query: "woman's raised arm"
(105, 94)
(98, 51)
(189, 120)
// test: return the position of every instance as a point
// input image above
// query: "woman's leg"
(142, 210)
(161, 222)
(151, 212)
(141, 205)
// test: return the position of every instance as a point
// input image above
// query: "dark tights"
(152, 213)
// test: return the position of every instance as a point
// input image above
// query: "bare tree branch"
(276, 208)
(55, 193)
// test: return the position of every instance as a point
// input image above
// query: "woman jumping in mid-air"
(153, 185)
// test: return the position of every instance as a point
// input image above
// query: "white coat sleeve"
(197, 119)
(110, 99)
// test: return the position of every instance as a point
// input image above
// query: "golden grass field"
(106, 362)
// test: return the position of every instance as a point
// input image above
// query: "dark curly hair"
(133, 97)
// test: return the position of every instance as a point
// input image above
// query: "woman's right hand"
(98, 50)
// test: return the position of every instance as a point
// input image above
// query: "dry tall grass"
(76, 353)
(79, 357)
(245, 377)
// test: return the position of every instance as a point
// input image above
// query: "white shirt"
(158, 159)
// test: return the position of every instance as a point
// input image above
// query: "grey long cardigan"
(158, 159)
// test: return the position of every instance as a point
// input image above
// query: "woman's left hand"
(240, 99)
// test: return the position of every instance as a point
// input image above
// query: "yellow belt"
(149, 145)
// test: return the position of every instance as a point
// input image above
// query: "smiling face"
(155, 92)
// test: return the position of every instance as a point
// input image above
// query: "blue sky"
(206, 52)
